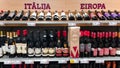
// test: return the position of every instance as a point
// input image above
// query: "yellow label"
(71, 60)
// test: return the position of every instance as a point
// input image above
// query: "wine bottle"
(45, 50)
(2, 42)
(37, 41)
(18, 44)
(87, 43)
(118, 44)
(65, 44)
(56, 16)
(114, 64)
(107, 15)
(71, 16)
(19, 15)
(51, 44)
(11, 44)
(82, 44)
(100, 44)
(78, 15)
(49, 15)
(33, 15)
(63, 16)
(30, 44)
(11, 15)
(92, 15)
(100, 15)
(117, 14)
(26, 15)
(59, 45)
(4, 15)
(113, 15)
(85, 15)
(94, 45)
(41, 15)
(113, 45)
(1, 51)
(106, 49)
(24, 43)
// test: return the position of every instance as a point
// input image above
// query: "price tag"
(44, 62)
(62, 61)
(96, 23)
(112, 23)
(84, 61)
(71, 24)
(99, 61)
(2, 24)
(74, 61)
(7, 62)
(29, 62)
(16, 62)
(31, 24)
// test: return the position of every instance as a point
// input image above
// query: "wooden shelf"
(61, 23)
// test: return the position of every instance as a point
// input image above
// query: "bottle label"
(45, 50)
(82, 47)
(30, 51)
(113, 51)
(88, 47)
(37, 51)
(24, 48)
(95, 51)
(12, 49)
(101, 51)
(19, 48)
(1, 52)
(58, 51)
(65, 51)
(106, 51)
(4, 49)
(51, 50)
(118, 51)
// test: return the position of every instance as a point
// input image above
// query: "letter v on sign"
(74, 52)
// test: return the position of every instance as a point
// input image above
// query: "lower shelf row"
(58, 60)
(91, 64)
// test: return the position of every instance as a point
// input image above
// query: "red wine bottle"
(59, 45)
(87, 43)
(100, 15)
(24, 43)
(18, 44)
(65, 44)
(4, 15)
(106, 49)
(113, 45)
(92, 15)
(82, 44)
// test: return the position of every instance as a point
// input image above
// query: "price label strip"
(16, 62)
(71, 24)
(7, 62)
(2, 23)
(29, 62)
(112, 23)
(72, 61)
(96, 23)
(62, 61)
(84, 61)
(99, 61)
(44, 62)
(31, 24)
